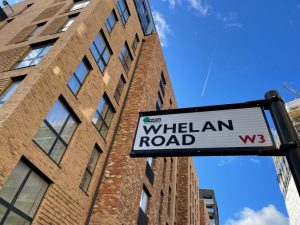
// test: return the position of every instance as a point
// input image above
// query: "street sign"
(237, 129)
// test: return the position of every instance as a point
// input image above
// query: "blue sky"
(220, 52)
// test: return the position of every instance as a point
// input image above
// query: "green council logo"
(153, 120)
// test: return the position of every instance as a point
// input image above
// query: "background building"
(286, 182)
(73, 77)
(209, 198)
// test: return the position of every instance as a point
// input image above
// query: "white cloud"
(225, 160)
(172, 3)
(163, 29)
(266, 216)
(229, 20)
(256, 161)
(200, 6)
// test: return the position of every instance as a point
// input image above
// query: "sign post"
(234, 129)
(287, 134)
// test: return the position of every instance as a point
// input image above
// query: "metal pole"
(287, 134)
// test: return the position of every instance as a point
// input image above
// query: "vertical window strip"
(110, 21)
(123, 10)
(79, 76)
(144, 200)
(101, 56)
(103, 116)
(119, 88)
(125, 57)
(89, 171)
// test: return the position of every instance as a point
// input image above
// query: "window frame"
(14, 80)
(135, 43)
(107, 22)
(159, 99)
(123, 57)
(147, 193)
(85, 3)
(10, 206)
(37, 30)
(39, 46)
(87, 64)
(117, 91)
(58, 134)
(110, 108)
(101, 54)
(121, 12)
(91, 173)
(70, 17)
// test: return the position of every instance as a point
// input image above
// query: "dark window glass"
(78, 77)
(100, 51)
(9, 91)
(159, 103)
(162, 84)
(111, 21)
(36, 31)
(56, 131)
(79, 5)
(87, 176)
(135, 42)
(125, 57)
(123, 10)
(34, 56)
(119, 88)
(103, 116)
(21, 196)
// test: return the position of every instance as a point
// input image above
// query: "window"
(86, 180)
(21, 195)
(119, 88)
(123, 10)
(36, 31)
(125, 57)
(135, 42)
(103, 116)
(150, 161)
(101, 51)
(67, 24)
(34, 56)
(9, 91)
(79, 76)
(144, 15)
(144, 200)
(159, 103)
(56, 131)
(111, 21)
(162, 84)
(79, 5)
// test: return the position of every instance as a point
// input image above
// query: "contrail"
(208, 72)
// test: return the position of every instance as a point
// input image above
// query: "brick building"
(73, 77)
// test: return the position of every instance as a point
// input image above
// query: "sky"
(220, 52)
